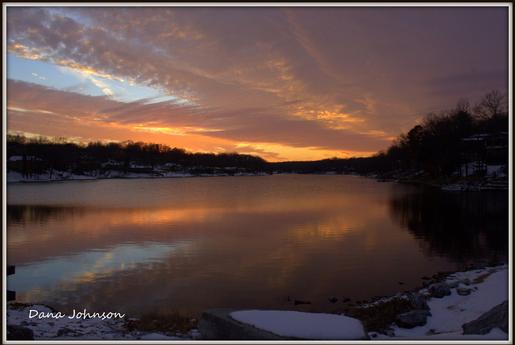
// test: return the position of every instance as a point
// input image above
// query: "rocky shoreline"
(410, 309)
(21, 327)
(457, 305)
(452, 306)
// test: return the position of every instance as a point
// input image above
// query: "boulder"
(452, 284)
(217, 324)
(299, 302)
(440, 290)
(15, 332)
(497, 317)
(304, 325)
(418, 301)
(462, 291)
(413, 318)
(227, 324)
(333, 299)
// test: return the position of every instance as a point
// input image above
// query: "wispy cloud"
(254, 126)
(37, 76)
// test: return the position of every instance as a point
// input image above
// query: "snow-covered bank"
(15, 177)
(83, 329)
(461, 306)
(471, 294)
(486, 183)
(449, 313)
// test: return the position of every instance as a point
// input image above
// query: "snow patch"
(489, 288)
(303, 325)
(81, 329)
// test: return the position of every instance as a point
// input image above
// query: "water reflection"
(192, 244)
(23, 214)
(87, 266)
(461, 226)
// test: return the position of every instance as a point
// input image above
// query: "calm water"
(190, 244)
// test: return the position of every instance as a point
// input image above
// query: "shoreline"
(379, 316)
(50, 323)
(133, 177)
(458, 185)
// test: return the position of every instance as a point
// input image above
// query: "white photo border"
(6, 5)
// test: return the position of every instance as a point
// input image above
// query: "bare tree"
(463, 105)
(492, 104)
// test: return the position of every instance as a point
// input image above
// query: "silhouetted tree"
(492, 104)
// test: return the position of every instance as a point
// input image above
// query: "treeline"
(437, 147)
(40, 155)
(442, 143)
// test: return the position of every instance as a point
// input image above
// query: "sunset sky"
(281, 83)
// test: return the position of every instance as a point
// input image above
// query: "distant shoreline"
(128, 177)
(457, 186)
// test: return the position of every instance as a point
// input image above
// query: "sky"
(283, 83)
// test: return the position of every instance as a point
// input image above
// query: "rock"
(389, 333)
(195, 334)
(303, 325)
(65, 331)
(497, 317)
(153, 336)
(462, 291)
(418, 301)
(431, 331)
(297, 302)
(452, 284)
(216, 324)
(15, 332)
(333, 299)
(439, 290)
(413, 318)
(426, 294)
(229, 324)
(11, 295)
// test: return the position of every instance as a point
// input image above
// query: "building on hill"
(481, 151)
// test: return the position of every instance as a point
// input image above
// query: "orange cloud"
(181, 125)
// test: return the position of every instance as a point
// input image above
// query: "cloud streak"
(257, 125)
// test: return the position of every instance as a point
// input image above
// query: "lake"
(189, 244)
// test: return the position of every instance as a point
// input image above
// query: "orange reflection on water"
(193, 244)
